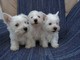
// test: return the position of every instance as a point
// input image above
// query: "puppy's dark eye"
(27, 22)
(38, 16)
(31, 17)
(17, 25)
(50, 23)
(57, 23)
(24, 22)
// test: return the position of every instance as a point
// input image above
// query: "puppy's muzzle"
(35, 21)
(25, 29)
(54, 29)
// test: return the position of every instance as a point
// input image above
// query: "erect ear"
(7, 18)
(57, 13)
(24, 16)
(43, 14)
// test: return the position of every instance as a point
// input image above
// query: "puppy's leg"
(54, 44)
(54, 41)
(33, 43)
(30, 43)
(43, 42)
(14, 45)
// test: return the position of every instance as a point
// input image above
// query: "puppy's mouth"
(21, 34)
(36, 23)
(53, 31)
(24, 33)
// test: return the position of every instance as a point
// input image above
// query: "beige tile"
(69, 5)
(9, 6)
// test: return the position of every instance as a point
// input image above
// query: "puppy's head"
(36, 17)
(18, 24)
(51, 22)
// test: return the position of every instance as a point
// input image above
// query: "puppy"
(20, 31)
(51, 30)
(36, 19)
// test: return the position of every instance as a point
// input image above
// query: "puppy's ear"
(23, 15)
(57, 13)
(7, 18)
(43, 14)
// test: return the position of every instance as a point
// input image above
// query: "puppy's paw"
(45, 45)
(55, 45)
(14, 48)
(33, 45)
(28, 46)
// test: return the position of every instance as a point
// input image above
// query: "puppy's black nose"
(55, 28)
(25, 28)
(35, 20)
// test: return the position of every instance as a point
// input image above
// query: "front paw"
(28, 46)
(14, 48)
(55, 45)
(44, 45)
(33, 45)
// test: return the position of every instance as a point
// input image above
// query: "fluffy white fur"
(51, 29)
(37, 25)
(20, 31)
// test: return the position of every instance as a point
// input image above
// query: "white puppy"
(36, 18)
(20, 31)
(51, 29)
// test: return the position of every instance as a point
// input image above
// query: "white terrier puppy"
(36, 18)
(51, 29)
(20, 31)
